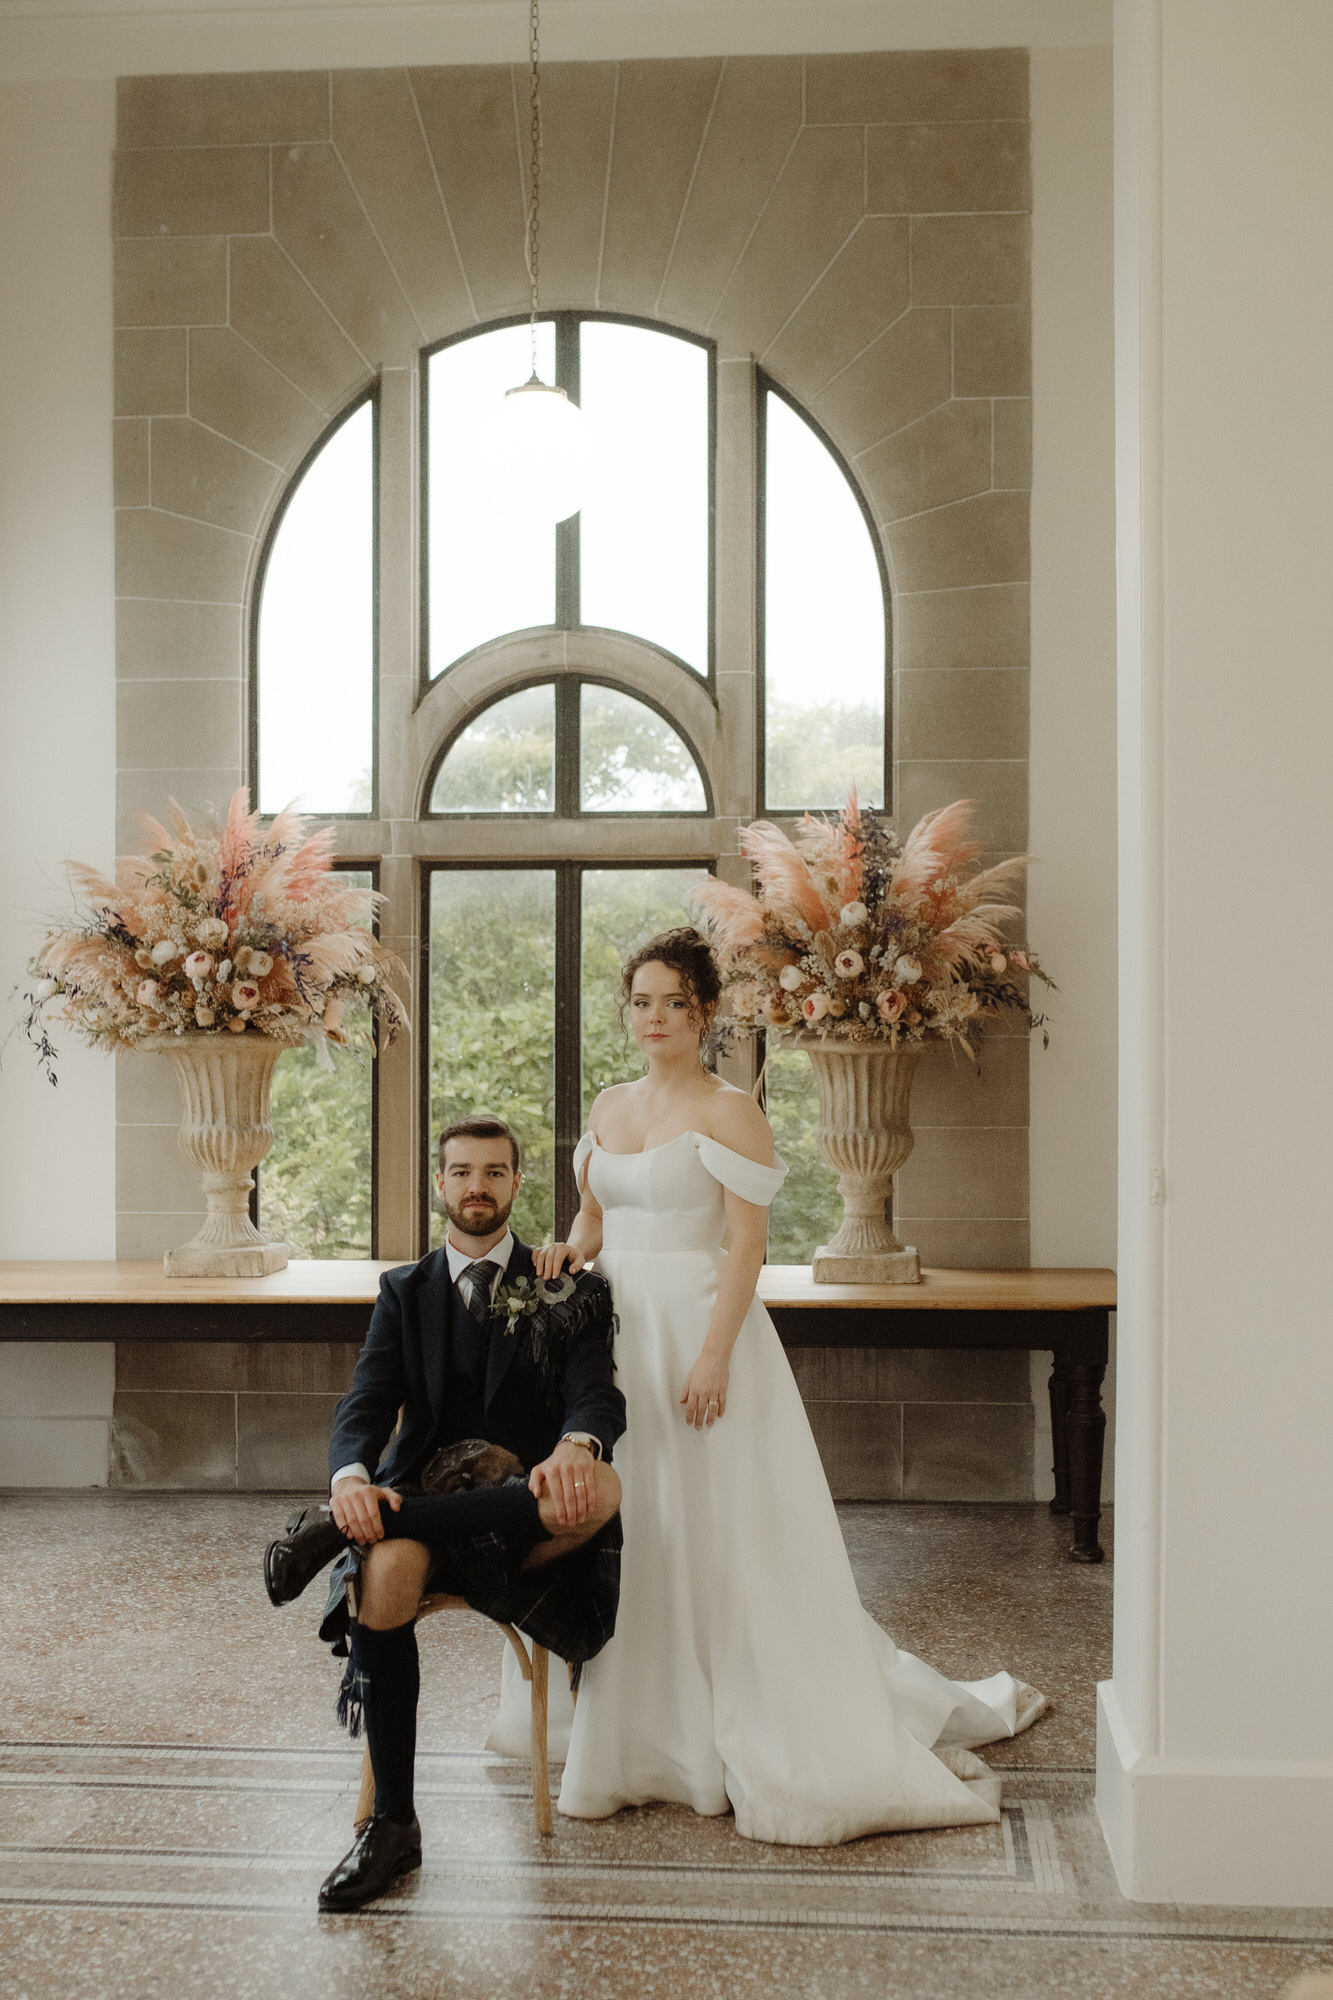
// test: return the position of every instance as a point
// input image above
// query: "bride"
(744, 1673)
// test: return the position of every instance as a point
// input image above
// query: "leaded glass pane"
(643, 529)
(622, 909)
(316, 1186)
(488, 569)
(492, 1020)
(807, 1211)
(315, 641)
(824, 638)
(631, 760)
(504, 761)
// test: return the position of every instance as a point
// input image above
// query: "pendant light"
(539, 440)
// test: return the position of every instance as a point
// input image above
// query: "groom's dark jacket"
(421, 1357)
(426, 1357)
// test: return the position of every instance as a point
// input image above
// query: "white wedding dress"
(744, 1672)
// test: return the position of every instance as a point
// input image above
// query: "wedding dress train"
(744, 1672)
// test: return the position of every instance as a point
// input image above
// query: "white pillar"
(1215, 1760)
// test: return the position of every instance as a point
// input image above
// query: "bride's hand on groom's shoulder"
(550, 1260)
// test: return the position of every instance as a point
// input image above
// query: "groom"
(467, 1345)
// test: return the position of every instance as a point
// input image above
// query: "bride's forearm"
(586, 1235)
(736, 1284)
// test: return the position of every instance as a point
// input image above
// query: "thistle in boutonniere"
(516, 1299)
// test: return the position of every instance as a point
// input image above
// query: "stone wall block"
(323, 228)
(961, 714)
(468, 116)
(130, 458)
(274, 309)
(661, 113)
(967, 1451)
(973, 1244)
(904, 373)
(1013, 443)
(816, 203)
(269, 108)
(161, 555)
(192, 191)
(755, 120)
(950, 1091)
(578, 101)
(199, 474)
(188, 724)
(282, 1442)
(379, 140)
(150, 371)
(905, 85)
(233, 390)
(1000, 789)
(174, 1440)
(984, 628)
(971, 260)
(944, 456)
(981, 540)
(170, 641)
(860, 1445)
(171, 281)
(947, 169)
(992, 351)
(863, 291)
(965, 1172)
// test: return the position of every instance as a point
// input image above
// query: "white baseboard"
(1182, 1830)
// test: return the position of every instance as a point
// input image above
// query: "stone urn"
(225, 1131)
(865, 1134)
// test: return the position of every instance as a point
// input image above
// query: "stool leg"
(365, 1803)
(541, 1782)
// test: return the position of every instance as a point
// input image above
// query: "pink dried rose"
(997, 961)
(244, 995)
(849, 965)
(890, 1005)
(147, 992)
(198, 966)
(815, 1008)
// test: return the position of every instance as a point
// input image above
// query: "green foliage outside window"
(807, 1210)
(813, 754)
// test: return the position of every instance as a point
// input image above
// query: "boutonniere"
(516, 1299)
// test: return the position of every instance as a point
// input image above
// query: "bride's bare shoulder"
(607, 1104)
(735, 1120)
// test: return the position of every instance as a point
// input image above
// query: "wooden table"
(1061, 1312)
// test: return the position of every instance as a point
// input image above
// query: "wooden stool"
(535, 1670)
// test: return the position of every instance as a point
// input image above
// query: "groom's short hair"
(481, 1125)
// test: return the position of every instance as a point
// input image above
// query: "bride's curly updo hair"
(684, 952)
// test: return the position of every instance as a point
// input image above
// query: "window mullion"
(568, 748)
(567, 592)
(568, 1038)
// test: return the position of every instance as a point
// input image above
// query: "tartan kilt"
(569, 1605)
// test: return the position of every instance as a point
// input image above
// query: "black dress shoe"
(381, 1852)
(313, 1538)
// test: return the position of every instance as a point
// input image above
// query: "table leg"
(1087, 1430)
(1058, 1389)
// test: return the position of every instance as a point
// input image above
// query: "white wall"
(1215, 1770)
(57, 719)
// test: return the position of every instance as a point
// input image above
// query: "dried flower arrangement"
(857, 936)
(230, 927)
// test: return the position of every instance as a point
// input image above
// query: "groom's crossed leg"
(430, 1541)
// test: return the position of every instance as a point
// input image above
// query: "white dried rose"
(366, 975)
(147, 992)
(907, 971)
(211, 931)
(853, 913)
(790, 977)
(43, 990)
(998, 961)
(849, 965)
(260, 966)
(165, 951)
(204, 1017)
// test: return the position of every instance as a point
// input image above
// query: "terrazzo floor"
(175, 1787)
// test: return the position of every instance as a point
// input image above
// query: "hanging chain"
(534, 195)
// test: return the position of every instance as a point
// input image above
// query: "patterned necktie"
(475, 1282)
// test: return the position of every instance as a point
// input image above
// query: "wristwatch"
(593, 1444)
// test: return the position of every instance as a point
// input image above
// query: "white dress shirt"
(499, 1255)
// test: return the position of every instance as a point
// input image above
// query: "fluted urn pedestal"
(865, 1134)
(225, 1130)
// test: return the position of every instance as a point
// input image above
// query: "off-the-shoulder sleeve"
(746, 1178)
(582, 1155)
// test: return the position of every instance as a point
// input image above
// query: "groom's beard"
(479, 1217)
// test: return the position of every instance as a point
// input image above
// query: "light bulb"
(540, 452)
